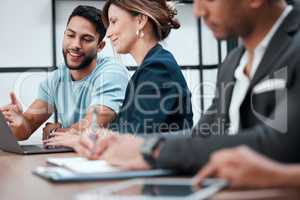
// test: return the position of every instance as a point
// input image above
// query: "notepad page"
(83, 165)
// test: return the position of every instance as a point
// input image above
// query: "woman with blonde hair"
(157, 98)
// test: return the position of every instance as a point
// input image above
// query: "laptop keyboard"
(33, 147)
(41, 148)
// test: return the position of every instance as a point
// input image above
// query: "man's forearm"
(26, 123)
(23, 131)
(104, 116)
(290, 176)
(190, 154)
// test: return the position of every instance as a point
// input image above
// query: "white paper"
(83, 165)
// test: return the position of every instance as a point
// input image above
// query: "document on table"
(83, 165)
(81, 169)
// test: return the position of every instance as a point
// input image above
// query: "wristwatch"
(148, 148)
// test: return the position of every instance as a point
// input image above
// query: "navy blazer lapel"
(278, 45)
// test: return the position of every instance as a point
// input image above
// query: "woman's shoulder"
(160, 60)
(161, 66)
(160, 56)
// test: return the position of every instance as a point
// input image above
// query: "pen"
(93, 137)
(94, 129)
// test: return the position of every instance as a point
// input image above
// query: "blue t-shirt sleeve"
(45, 90)
(110, 86)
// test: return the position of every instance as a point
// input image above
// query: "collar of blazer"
(274, 57)
(226, 79)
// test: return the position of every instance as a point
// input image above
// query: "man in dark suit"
(257, 96)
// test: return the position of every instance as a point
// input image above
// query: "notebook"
(80, 169)
(83, 165)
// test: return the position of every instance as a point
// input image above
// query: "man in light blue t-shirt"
(86, 84)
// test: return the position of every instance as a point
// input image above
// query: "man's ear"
(256, 3)
(101, 45)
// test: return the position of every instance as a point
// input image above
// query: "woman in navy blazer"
(157, 98)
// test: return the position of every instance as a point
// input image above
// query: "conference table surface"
(18, 182)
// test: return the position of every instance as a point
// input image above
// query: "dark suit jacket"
(157, 98)
(269, 115)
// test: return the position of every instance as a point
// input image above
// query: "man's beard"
(84, 64)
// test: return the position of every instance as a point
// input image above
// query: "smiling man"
(85, 83)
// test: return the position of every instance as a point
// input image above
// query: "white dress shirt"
(243, 81)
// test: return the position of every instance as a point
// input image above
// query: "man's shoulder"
(107, 66)
(109, 63)
(55, 74)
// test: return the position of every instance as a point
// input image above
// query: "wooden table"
(18, 182)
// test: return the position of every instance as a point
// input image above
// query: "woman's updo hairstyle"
(160, 13)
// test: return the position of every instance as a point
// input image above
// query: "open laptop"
(9, 143)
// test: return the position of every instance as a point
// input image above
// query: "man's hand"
(83, 125)
(24, 124)
(121, 151)
(50, 127)
(124, 152)
(88, 143)
(242, 167)
(63, 139)
(13, 112)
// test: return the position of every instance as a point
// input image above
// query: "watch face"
(147, 150)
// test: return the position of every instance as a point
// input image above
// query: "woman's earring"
(140, 33)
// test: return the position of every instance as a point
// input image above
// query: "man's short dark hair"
(290, 1)
(91, 14)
